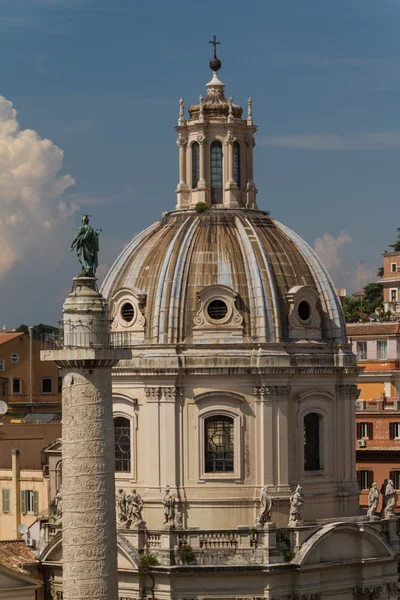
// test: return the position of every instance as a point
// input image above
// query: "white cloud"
(330, 249)
(369, 140)
(31, 208)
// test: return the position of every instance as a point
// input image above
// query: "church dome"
(222, 276)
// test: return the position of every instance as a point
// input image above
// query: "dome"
(258, 268)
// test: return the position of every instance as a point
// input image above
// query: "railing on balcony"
(73, 335)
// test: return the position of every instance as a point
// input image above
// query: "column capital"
(181, 141)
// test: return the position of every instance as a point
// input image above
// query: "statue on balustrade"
(134, 504)
(373, 501)
(296, 507)
(391, 500)
(168, 502)
(266, 509)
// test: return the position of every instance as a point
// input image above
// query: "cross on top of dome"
(215, 63)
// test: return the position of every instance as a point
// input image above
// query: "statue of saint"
(391, 500)
(373, 501)
(134, 505)
(86, 243)
(179, 520)
(168, 502)
(296, 504)
(121, 507)
(266, 508)
(58, 503)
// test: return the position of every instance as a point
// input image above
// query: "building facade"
(391, 281)
(377, 347)
(33, 386)
(240, 388)
(24, 473)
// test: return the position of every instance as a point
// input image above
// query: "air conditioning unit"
(362, 444)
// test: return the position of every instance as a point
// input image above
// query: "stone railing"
(243, 545)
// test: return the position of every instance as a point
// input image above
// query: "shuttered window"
(395, 477)
(5, 500)
(394, 431)
(365, 479)
(365, 431)
(29, 502)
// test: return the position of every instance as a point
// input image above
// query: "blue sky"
(101, 80)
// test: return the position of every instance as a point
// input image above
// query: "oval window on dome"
(127, 312)
(304, 310)
(217, 310)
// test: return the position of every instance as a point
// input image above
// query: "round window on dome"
(127, 312)
(304, 310)
(217, 310)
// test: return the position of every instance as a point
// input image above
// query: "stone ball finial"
(215, 64)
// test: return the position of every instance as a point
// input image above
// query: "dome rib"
(159, 320)
(269, 293)
(259, 314)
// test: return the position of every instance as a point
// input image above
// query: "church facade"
(239, 391)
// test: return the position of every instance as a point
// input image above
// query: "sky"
(89, 100)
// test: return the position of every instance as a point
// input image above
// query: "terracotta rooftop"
(6, 337)
(14, 554)
(372, 328)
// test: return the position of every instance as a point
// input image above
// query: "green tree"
(38, 330)
(396, 245)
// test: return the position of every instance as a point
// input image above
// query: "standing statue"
(134, 504)
(373, 501)
(179, 520)
(121, 507)
(383, 494)
(266, 509)
(58, 503)
(296, 504)
(86, 243)
(391, 500)
(168, 502)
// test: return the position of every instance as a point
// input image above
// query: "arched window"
(195, 165)
(122, 430)
(236, 163)
(312, 460)
(58, 474)
(216, 172)
(218, 444)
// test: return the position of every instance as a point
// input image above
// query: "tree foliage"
(396, 245)
(38, 331)
(361, 308)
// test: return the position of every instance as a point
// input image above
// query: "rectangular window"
(47, 385)
(394, 431)
(395, 477)
(382, 349)
(5, 500)
(29, 502)
(17, 386)
(361, 350)
(393, 295)
(365, 479)
(1, 365)
(394, 267)
(364, 431)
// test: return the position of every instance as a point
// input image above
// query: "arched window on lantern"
(312, 430)
(236, 163)
(122, 431)
(218, 444)
(195, 165)
(216, 172)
